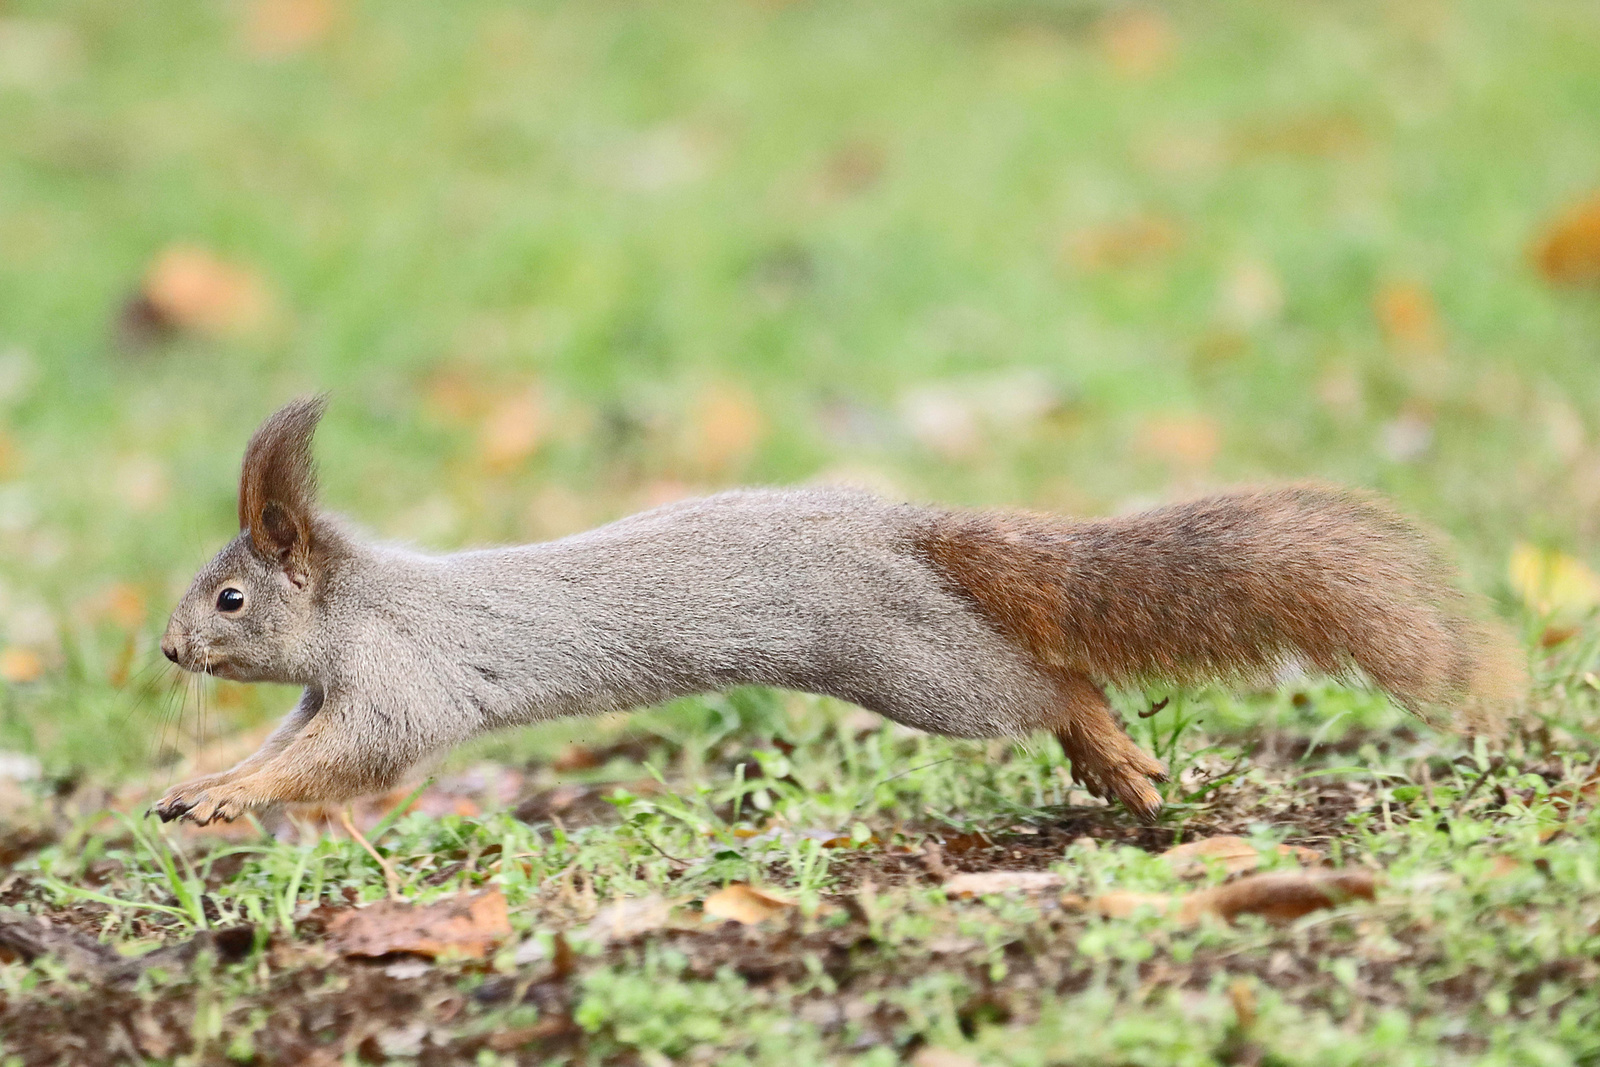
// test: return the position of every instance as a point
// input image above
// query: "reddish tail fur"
(1230, 588)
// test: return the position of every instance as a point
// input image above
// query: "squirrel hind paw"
(1128, 778)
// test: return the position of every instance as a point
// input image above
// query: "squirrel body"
(969, 624)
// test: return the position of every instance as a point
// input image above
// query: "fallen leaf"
(1552, 582)
(20, 665)
(189, 288)
(1123, 244)
(1121, 903)
(1503, 865)
(1233, 854)
(1284, 895)
(1569, 251)
(575, 757)
(983, 883)
(1567, 797)
(456, 393)
(120, 603)
(726, 425)
(956, 844)
(1408, 316)
(464, 926)
(278, 28)
(512, 430)
(745, 904)
(628, 919)
(1187, 441)
(1139, 42)
(1279, 896)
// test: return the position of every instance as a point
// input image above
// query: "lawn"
(558, 262)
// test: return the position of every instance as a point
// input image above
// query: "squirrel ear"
(278, 487)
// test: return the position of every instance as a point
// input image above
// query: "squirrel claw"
(167, 810)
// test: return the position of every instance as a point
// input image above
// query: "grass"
(1067, 254)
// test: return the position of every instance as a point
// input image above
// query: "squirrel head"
(249, 614)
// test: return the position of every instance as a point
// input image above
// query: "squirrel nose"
(169, 648)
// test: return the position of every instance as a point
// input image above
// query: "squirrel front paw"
(203, 801)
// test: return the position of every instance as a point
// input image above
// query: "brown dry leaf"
(1283, 895)
(1568, 797)
(575, 757)
(120, 603)
(1279, 896)
(278, 28)
(1501, 866)
(1139, 42)
(512, 430)
(1186, 441)
(745, 904)
(470, 926)
(983, 883)
(189, 288)
(19, 665)
(1234, 854)
(1408, 316)
(628, 919)
(1123, 244)
(725, 427)
(456, 393)
(1121, 903)
(1569, 251)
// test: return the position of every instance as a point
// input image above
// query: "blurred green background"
(556, 262)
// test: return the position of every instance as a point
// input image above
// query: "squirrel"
(965, 623)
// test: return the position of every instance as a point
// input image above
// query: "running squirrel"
(966, 623)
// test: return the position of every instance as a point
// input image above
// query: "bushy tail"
(1232, 587)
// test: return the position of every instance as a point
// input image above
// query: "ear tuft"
(278, 485)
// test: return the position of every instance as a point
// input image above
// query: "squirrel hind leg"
(1104, 758)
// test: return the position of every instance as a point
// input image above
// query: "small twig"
(1154, 708)
(885, 781)
(389, 874)
(649, 841)
(1494, 765)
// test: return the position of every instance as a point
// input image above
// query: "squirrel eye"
(230, 600)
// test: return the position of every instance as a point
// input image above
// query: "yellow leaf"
(726, 427)
(278, 28)
(1553, 582)
(1138, 42)
(1186, 441)
(1568, 252)
(512, 430)
(18, 665)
